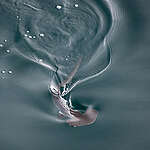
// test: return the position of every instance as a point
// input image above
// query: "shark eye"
(54, 90)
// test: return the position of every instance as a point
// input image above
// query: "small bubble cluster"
(4, 74)
(27, 34)
(18, 18)
(4, 47)
(67, 58)
(41, 35)
(60, 7)
(5, 71)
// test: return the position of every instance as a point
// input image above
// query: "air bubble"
(58, 7)
(8, 51)
(5, 40)
(40, 60)
(76, 5)
(25, 35)
(30, 37)
(10, 71)
(41, 34)
(3, 71)
(28, 31)
(1, 45)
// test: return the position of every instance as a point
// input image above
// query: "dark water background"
(121, 94)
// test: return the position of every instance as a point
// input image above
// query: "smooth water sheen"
(77, 40)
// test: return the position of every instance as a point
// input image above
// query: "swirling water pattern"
(39, 31)
(68, 38)
(58, 38)
(60, 35)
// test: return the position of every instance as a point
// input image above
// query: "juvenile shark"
(74, 117)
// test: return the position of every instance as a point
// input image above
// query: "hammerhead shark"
(74, 117)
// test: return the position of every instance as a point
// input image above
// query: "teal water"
(37, 39)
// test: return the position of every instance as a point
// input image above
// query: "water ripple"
(60, 37)
(70, 38)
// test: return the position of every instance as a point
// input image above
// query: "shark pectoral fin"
(86, 118)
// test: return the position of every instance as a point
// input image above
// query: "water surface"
(89, 31)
